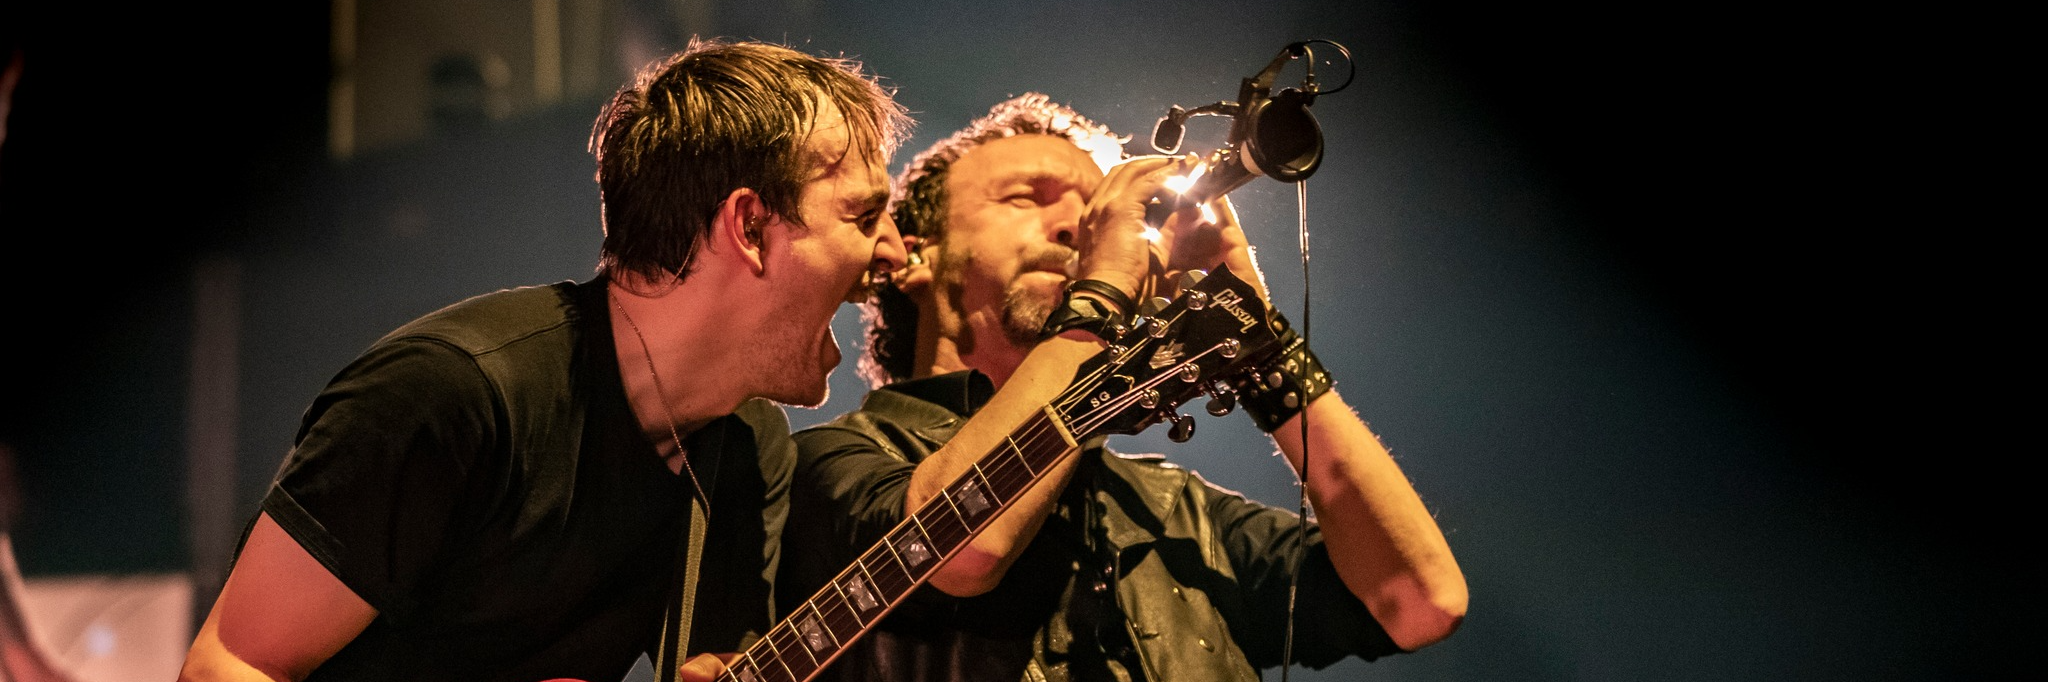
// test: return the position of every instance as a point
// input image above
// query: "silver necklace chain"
(661, 393)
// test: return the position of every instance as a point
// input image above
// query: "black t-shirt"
(479, 479)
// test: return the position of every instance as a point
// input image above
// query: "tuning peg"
(1183, 428)
(1222, 402)
(1152, 307)
(1189, 279)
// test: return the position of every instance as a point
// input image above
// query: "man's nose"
(890, 254)
(1063, 218)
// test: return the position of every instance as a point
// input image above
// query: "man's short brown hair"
(714, 118)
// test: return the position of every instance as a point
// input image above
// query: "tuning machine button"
(1221, 402)
(1183, 428)
(1152, 306)
(1189, 279)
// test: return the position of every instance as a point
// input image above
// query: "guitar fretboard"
(813, 634)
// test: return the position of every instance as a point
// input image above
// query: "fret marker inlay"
(814, 634)
(971, 500)
(862, 596)
(914, 552)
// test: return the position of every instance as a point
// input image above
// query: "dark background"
(1667, 311)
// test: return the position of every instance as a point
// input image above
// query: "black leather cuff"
(1286, 384)
(1088, 314)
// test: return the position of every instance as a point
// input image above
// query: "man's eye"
(1022, 200)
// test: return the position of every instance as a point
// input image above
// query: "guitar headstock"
(1216, 328)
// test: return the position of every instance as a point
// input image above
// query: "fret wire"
(947, 495)
(942, 529)
(796, 641)
(776, 654)
(994, 499)
(917, 521)
(863, 566)
(889, 541)
(843, 622)
(736, 671)
(1021, 457)
(764, 672)
(826, 624)
(1010, 476)
(749, 656)
(875, 580)
(1034, 469)
(985, 484)
(919, 525)
(1004, 463)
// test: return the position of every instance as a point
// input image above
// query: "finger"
(1146, 169)
(703, 667)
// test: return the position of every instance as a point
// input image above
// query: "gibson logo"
(1230, 300)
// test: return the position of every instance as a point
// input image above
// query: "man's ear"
(738, 227)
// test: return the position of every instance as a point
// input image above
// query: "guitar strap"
(674, 647)
(675, 624)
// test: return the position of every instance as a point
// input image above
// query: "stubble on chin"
(1025, 308)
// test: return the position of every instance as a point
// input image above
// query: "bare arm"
(1384, 543)
(280, 615)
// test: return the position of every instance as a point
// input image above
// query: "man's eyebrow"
(868, 202)
(1039, 176)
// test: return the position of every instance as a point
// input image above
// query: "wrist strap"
(1115, 296)
(1284, 386)
(1089, 314)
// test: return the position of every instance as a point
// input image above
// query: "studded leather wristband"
(1285, 385)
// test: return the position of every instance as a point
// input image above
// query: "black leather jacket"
(1144, 571)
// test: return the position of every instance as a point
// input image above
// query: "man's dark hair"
(712, 119)
(918, 205)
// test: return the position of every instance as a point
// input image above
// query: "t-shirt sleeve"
(855, 485)
(1265, 544)
(846, 493)
(381, 461)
